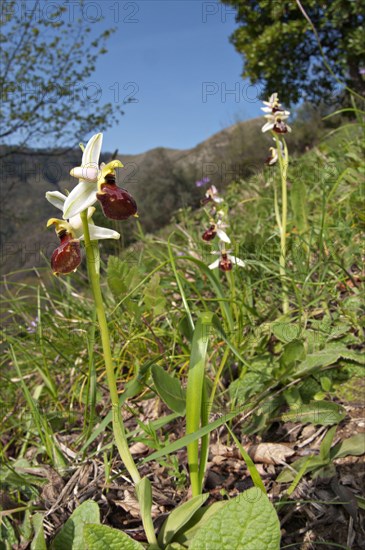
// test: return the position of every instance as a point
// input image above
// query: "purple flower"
(32, 327)
(202, 182)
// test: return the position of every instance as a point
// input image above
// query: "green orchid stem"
(283, 163)
(92, 258)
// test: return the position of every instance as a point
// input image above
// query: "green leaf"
(103, 537)
(250, 383)
(293, 351)
(201, 516)
(194, 393)
(183, 441)
(216, 286)
(153, 296)
(299, 205)
(324, 413)
(39, 541)
(71, 535)
(324, 450)
(144, 494)
(26, 528)
(325, 357)
(169, 389)
(7, 535)
(326, 383)
(353, 446)
(247, 522)
(256, 478)
(286, 332)
(121, 277)
(303, 465)
(179, 517)
(298, 476)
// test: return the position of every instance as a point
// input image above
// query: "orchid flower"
(276, 122)
(226, 261)
(67, 256)
(212, 195)
(97, 233)
(274, 154)
(98, 184)
(272, 105)
(216, 228)
(84, 194)
(276, 116)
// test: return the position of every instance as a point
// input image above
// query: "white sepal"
(215, 264)
(267, 126)
(236, 261)
(223, 236)
(80, 198)
(56, 198)
(92, 150)
(97, 233)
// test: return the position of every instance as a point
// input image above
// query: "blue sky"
(175, 58)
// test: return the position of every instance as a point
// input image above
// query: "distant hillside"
(161, 180)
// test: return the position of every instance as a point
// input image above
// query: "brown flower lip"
(67, 256)
(210, 233)
(280, 127)
(225, 263)
(116, 202)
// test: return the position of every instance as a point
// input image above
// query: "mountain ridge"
(161, 180)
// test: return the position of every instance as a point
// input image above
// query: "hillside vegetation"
(162, 181)
(292, 381)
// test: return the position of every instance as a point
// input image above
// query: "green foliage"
(256, 478)
(179, 517)
(153, 296)
(102, 536)
(322, 464)
(47, 58)
(169, 389)
(39, 541)
(324, 413)
(281, 51)
(72, 533)
(253, 363)
(246, 522)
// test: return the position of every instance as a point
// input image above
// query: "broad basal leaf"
(247, 522)
(102, 537)
(71, 535)
(179, 517)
